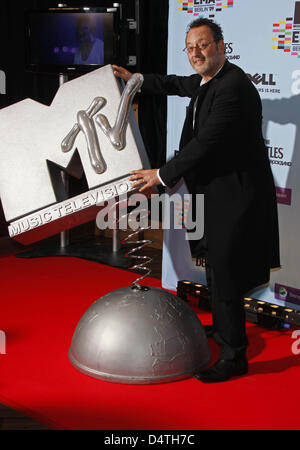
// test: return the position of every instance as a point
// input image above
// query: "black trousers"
(228, 319)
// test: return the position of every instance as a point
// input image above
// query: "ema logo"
(288, 33)
(197, 7)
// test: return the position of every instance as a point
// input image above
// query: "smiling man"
(223, 156)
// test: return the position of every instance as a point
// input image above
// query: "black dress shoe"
(223, 370)
(209, 330)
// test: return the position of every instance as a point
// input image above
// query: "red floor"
(41, 303)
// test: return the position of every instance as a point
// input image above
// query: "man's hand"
(121, 72)
(147, 178)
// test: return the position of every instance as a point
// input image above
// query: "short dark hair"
(215, 28)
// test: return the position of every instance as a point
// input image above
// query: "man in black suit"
(222, 154)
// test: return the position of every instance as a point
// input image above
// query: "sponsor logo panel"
(287, 293)
(229, 51)
(277, 157)
(264, 82)
(284, 195)
(199, 7)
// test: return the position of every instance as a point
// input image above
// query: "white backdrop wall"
(263, 38)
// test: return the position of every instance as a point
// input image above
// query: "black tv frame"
(117, 55)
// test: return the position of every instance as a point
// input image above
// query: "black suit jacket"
(225, 158)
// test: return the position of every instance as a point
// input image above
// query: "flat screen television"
(70, 40)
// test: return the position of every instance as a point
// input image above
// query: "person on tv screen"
(91, 49)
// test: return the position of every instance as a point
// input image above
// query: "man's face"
(207, 61)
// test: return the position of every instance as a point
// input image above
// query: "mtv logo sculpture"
(73, 136)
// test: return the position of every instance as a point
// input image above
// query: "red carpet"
(41, 303)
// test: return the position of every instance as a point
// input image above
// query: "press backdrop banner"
(263, 38)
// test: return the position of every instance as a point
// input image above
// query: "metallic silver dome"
(139, 336)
